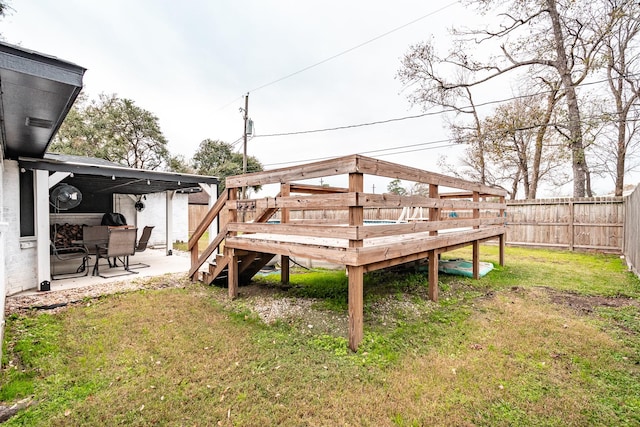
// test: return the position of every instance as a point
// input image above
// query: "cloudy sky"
(191, 62)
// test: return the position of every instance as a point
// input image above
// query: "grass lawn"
(202, 243)
(552, 339)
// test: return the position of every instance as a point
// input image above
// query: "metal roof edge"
(120, 171)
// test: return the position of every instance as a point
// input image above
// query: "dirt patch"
(57, 300)
(586, 304)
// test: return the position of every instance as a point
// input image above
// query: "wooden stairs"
(249, 263)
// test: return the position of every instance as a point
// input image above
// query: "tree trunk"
(620, 156)
(540, 134)
(573, 110)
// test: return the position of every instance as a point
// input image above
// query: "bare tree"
(518, 148)
(623, 68)
(534, 36)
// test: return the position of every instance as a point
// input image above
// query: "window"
(27, 205)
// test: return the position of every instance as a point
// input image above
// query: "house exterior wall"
(3, 230)
(20, 270)
(154, 214)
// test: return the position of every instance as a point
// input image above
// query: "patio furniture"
(142, 245)
(94, 236)
(113, 219)
(121, 243)
(66, 255)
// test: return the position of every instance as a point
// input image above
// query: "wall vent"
(38, 123)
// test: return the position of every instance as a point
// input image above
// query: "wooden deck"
(479, 216)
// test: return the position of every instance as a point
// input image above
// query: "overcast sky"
(191, 62)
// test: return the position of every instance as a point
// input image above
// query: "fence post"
(571, 226)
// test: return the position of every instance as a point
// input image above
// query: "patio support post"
(285, 191)
(41, 185)
(356, 273)
(169, 219)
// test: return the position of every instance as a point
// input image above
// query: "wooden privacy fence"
(631, 247)
(595, 223)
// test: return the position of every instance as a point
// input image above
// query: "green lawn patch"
(550, 339)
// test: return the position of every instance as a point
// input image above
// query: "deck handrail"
(208, 219)
(198, 260)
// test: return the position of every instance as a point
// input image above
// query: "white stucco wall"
(154, 214)
(3, 230)
(20, 268)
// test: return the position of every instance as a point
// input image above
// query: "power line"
(344, 52)
(378, 122)
(417, 116)
(449, 142)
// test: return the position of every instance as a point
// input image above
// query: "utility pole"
(244, 137)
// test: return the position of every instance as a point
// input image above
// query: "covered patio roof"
(106, 177)
(36, 92)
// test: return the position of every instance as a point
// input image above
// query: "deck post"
(356, 273)
(356, 290)
(285, 191)
(476, 259)
(476, 243)
(233, 272)
(434, 213)
(476, 211)
(433, 276)
(356, 213)
(503, 236)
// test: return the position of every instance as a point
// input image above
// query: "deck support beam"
(503, 237)
(356, 273)
(356, 297)
(285, 191)
(476, 259)
(233, 272)
(433, 275)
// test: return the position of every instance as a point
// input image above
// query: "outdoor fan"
(65, 197)
(139, 205)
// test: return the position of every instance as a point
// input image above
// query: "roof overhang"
(109, 179)
(36, 93)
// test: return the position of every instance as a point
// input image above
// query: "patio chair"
(66, 255)
(94, 236)
(121, 243)
(142, 245)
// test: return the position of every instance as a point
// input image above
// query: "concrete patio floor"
(159, 264)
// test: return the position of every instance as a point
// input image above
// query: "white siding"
(19, 254)
(3, 230)
(154, 214)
